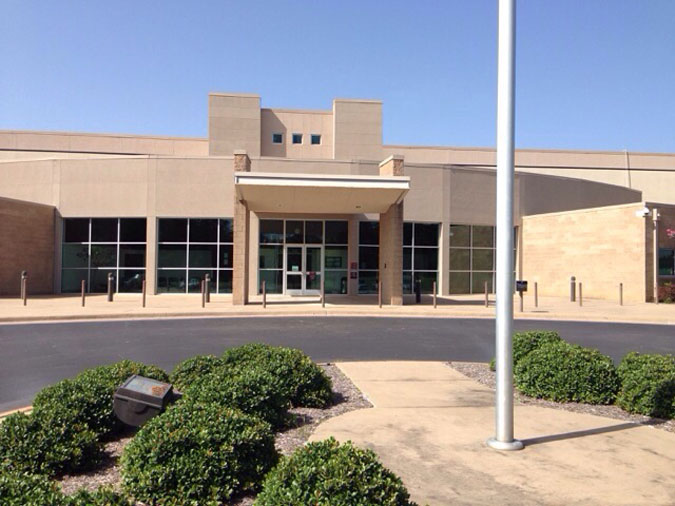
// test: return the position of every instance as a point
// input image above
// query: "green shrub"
(50, 442)
(197, 454)
(102, 497)
(329, 474)
(525, 342)
(89, 395)
(25, 489)
(298, 378)
(190, 370)
(251, 389)
(564, 372)
(648, 384)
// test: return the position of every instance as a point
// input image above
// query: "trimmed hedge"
(252, 389)
(648, 384)
(190, 370)
(297, 377)
(50, 442)
(24, 489)
(565, 372)
(101, 497)
(89, 395)
(197, 454)
(525, 342)
(329, 474)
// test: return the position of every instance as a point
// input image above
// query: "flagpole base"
(504, 445)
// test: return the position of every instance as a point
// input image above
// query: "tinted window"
(76, 230)
(368, 258)
(271, 231)
(203, 230)
(104, 230)
(173, 230)
(460, 236)
(407, 234)
(369, 232)
(336, 232)
(426, 234)
(314, 232)
(133, 229)
(226, 234)
(295, 232)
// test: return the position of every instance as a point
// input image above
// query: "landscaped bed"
(236, 435)
(346, 398)
(552, 373)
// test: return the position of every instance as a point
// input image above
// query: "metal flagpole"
(503, 439)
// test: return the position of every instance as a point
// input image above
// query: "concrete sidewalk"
(63, 307)
(430, 423)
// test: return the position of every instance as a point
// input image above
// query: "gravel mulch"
(481, 373)
(346, 397)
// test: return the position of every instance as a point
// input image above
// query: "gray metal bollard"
(379, 293)
(207, 281)
(264, 293)
(82, 285)
(620, 294)
(573, 284)
(536, 295)
(434, 289)
(22, 277)
(24, 288)
(203, 287)
(581, 297)
(143, 290)
(110, 286)
(323, 293)
(487, 297)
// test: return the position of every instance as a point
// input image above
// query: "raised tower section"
(234, 123)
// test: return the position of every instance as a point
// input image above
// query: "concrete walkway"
(63, 307)
(430, 423)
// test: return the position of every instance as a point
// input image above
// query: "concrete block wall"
(234, 123)
(27, 232)
(601, 247)
(357, 129)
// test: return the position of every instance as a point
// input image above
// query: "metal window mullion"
(187, 257)
(89, 259)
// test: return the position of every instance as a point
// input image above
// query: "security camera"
(642, 213)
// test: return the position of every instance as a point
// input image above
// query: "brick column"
(391, 240)
(241, 230)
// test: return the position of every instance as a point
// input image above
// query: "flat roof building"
(297, 198)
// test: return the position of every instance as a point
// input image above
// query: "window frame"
(218, 269)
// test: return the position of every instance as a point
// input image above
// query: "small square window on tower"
(297, 138)
(277, 138)
(316, 139)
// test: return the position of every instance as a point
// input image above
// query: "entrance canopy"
(317, 193)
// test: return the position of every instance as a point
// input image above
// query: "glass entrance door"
(304, 270)
(313, 270)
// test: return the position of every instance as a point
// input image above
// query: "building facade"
(302, 198)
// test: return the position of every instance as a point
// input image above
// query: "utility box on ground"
(140, 398)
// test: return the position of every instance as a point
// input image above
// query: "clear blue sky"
(590, 73)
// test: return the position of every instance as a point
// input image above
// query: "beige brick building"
(304, 198)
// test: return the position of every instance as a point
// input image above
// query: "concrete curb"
(25, 409)
(318, 312)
